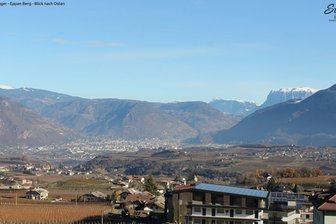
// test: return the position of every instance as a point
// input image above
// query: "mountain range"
(306, 122)
(125, 119)
(38, 117)
(244, 108)
(234, 107)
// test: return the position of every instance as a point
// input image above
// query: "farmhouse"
(37, 194)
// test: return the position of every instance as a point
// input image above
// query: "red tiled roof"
(333, 198)
(329, 205)
(166, 180)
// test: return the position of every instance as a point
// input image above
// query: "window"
(231, 213)
(197, 209)
(198, 196)
(256, 214)
(249, 212)
(238, 212)
(252, 202)
(236, 201)
(204, 211)
(220, 210)
(217, 199)
(197, 221)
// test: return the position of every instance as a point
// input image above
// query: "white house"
(37, 194)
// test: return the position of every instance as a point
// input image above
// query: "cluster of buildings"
(311, 154)
(136, 204)
(7, 183)
(86, 149)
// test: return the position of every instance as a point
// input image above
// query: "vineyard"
(50, 214)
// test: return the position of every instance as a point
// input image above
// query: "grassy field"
(79, 183)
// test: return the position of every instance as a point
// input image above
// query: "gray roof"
(98, 194)
(232, 190)
(38, 190)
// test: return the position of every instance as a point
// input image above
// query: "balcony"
(194, 202)
(207, 212)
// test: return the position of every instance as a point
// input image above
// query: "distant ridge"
(19, 126)
(234, 107)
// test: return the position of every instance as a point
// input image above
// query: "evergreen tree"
(298, 188)
(151, 185)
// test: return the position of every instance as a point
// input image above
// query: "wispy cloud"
(142, 54)
(61, 41)
(97, 43)
(126, 53)
(88, 43)
(10, 34)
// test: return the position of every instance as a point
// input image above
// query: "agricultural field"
(50, 213)
(322, 180)
(217, 162)
(65, 187)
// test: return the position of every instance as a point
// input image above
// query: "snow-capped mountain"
(285, 94)
(6, 87)
(244, 108)
(234, 107)
(308, 122)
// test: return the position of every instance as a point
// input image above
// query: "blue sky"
(169, 50)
